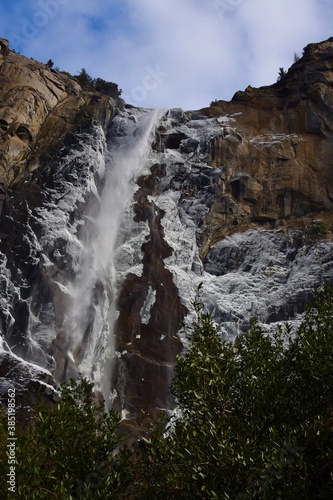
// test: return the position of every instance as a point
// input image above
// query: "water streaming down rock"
(87, 329)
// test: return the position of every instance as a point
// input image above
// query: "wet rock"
(39, 107)
(25, 383)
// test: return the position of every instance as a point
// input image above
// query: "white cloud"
(176, 53)
(275, 30)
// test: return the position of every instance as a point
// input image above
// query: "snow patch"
(147, 306)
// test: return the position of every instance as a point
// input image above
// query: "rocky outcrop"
(39, 106)
(25, 384)
(276, 147)
(150, 315)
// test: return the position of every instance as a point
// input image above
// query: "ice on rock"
(88, 240)
(148, 304)
(248, 274)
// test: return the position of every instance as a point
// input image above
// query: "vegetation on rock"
(84, 115)
(282, 74)
(97, 84)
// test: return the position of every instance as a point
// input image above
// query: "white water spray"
(91, 313)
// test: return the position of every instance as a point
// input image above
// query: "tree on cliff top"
(97, 84)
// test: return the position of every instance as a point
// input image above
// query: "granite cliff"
(110, 220)
(39, 107)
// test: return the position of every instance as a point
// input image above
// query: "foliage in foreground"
(69, 453)
(257, 415)
(257, 422)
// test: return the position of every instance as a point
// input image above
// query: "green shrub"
(70, 451)
(257, 414)
(84, 115)
(98, 84)
(315, 231)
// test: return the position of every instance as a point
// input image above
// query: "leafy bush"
(257, 414)
(84, 115)
(70, 451)
(97, 84)
(108, 88)
(85, 80)
(315, 231)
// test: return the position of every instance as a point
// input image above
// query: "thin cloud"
(180, 53)
(275, 30)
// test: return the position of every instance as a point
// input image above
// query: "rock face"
(38, 107)
(108, 229)
(276, 146)
(31, 385)
(42, 112)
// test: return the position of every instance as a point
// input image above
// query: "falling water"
(88, 323)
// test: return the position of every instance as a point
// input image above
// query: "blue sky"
(168, 53)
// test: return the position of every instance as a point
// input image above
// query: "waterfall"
(90, 316)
